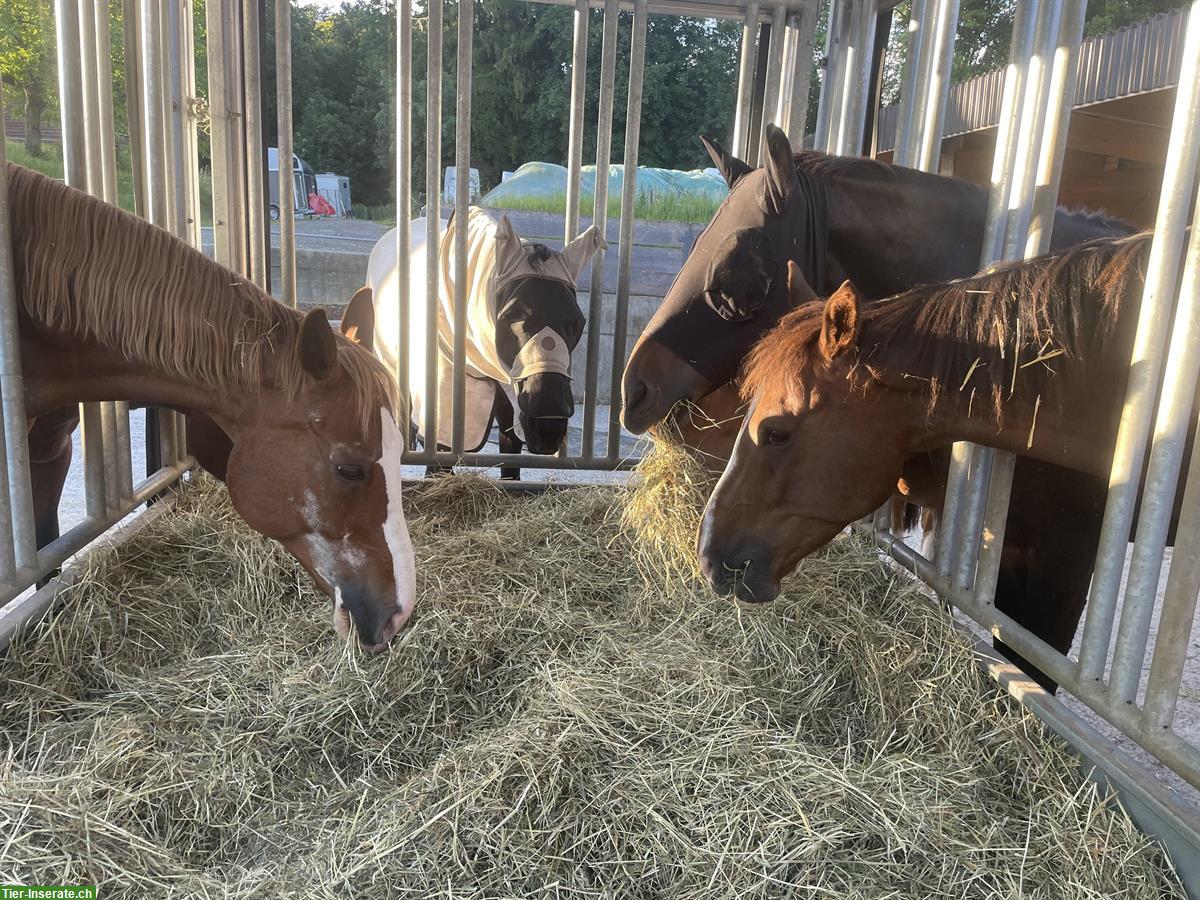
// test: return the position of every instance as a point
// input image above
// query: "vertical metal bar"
(787, 73)
(433, 212)
(1179, 171)
(941, 60)
(131, 31)
(575, 136)
(829, 98)
(770, 114)
(108, 144)
(608, 66)
(1178, 609)
(287, 180)
(90, 66)
(633, 125)
(801, 65)
(462, 213)
(178, 187)
(910, 88)
(746, 69)
(224, 243)
(1006, 135)
(1061, 93)
(858, 68)
(1175, 401)
(12, 392)
(1033, 116)
(187, 52)
(404, 141)
(259, 258)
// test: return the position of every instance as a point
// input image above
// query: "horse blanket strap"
(546, 351)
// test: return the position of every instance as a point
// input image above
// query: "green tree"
(27, 60)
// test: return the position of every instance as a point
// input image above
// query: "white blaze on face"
(706, 523)
(395, 529)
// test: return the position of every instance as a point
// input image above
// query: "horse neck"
(890, 235)
(1072, 426)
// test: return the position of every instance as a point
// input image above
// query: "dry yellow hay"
(570, 715)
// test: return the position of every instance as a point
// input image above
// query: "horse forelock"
(91, 271)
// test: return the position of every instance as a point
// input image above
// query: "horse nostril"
(636, 394)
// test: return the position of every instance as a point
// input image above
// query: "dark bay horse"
(887, 229)
(1032, 359)
(113, 308)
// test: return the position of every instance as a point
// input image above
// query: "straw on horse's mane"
(971, 332)
(93, 271)
(818, 163)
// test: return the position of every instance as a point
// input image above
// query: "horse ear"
(577, 253)
(508, 244)
(358, 321)
(731, 168)
(799, 291)
(781, 168)
(316, 348)
(839, 328)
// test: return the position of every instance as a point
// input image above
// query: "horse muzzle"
(376, 622)
(654, 381)
(744, 570)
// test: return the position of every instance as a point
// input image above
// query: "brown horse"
(887, 229)
(113, 308)
(1032, 359)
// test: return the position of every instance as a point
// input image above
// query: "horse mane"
(868, 169)
(93, 271)
(970, 332)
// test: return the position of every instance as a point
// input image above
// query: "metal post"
(575, 137)
(804, 30)
(131, 31)
(856, 79)
(433, 212)
(404, 140)
(937, 89)
(911, 88)
(771, 90)
(187, 53)
(462, 213)
(633, 123)
(12, 392)
(741, 118)
(1162, 270)
(259, 255)
(608, 66)
(287, 179)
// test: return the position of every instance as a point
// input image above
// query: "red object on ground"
(320, 205)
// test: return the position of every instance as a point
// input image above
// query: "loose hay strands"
(571, 714)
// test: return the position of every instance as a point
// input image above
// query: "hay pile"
(571, 715)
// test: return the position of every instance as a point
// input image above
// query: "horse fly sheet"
(496, 256)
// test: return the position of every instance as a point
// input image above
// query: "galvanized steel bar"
(911, 90)
(774, 81)
(745, 91)
(19, 495)
(462, 202)
(608, 67)
(1175, 415)
(633, 123)
(1178, 607)
(256, 215)
(829, 98)
(226, 246)
(89, 80)
(1183, 154)
(937, 86)
(1033, 121)
(404, 140)
(433, 213)
(575, 134)
(104, 93)
(857, 61)
(131, 32)
(801, 64)
(1061, 93)
(283, 155)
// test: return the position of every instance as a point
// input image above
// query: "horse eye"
(775, 437)
(350, 472)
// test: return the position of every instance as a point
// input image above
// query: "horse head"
(320, 473)
(538, 324)
(730, 291)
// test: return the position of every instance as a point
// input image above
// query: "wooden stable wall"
(1114, 159)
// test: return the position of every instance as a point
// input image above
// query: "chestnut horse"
(1032, 358)
(886, 228)
(113, 308)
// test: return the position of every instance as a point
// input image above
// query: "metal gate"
(1118, 674)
